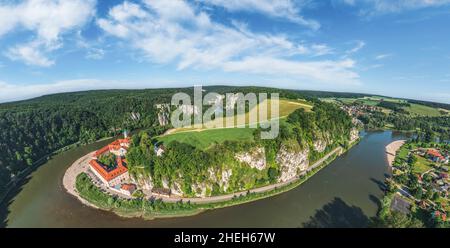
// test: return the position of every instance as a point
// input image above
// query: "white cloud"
(193, 40)
(95, 53)
(325, 71)
(373, 7)
(383, 56)
(47, 20)
(359, 45)
(285, 9)
(30, 54)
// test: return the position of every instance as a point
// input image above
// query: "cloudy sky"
(390, 47)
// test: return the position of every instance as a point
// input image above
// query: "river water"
(344, 194)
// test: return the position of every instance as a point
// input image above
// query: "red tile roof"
(115, 145)
(106, 173)
(435, 153)
(128, 186)
(101, 151)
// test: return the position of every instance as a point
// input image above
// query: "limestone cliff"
(255, 158)
(291, 162)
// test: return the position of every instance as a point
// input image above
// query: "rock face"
(163, 118)
(163, 114)
(320, 145)
(354, 134)
(255, 158)
(224, 182)
(291, 163)
(199, 189)
(176, 189)
(144, 182)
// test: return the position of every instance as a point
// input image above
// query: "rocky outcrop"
(163, 114)
(175, 189)
(135, 116)
(291, 163)
(224, 182)
(165, 183)
(255, 158)
(320, 145)
(144, 182)
(199, 189)
(354, 134)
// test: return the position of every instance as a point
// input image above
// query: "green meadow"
(203, 139)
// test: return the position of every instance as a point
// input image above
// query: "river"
(344, 194)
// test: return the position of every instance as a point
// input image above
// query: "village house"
(128, 188)
(435, 156)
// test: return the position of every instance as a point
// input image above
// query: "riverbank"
(89, 194)
(22, 175)
(392, 149)
(69, 179)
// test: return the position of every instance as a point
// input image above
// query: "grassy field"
(205, 138)
(414, 109)
(286, 107)
(417, 109)
(422, 165)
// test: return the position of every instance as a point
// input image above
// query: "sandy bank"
(70, 177)
(391, 150)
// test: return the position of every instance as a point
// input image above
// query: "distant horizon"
(215, 85)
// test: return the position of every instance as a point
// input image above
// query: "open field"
(413, 109)
(286, 107)
(203, 139)
(422, 165)
(423, 110)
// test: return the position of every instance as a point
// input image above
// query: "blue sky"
(389, 47)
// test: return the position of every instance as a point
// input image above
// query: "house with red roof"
(112, 175)
(435, 155)
(118, 147)
(128, 188)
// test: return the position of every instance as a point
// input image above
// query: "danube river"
(346, 193)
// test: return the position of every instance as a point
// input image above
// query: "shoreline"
(69, 178)
(81, 165)
(391, 150)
